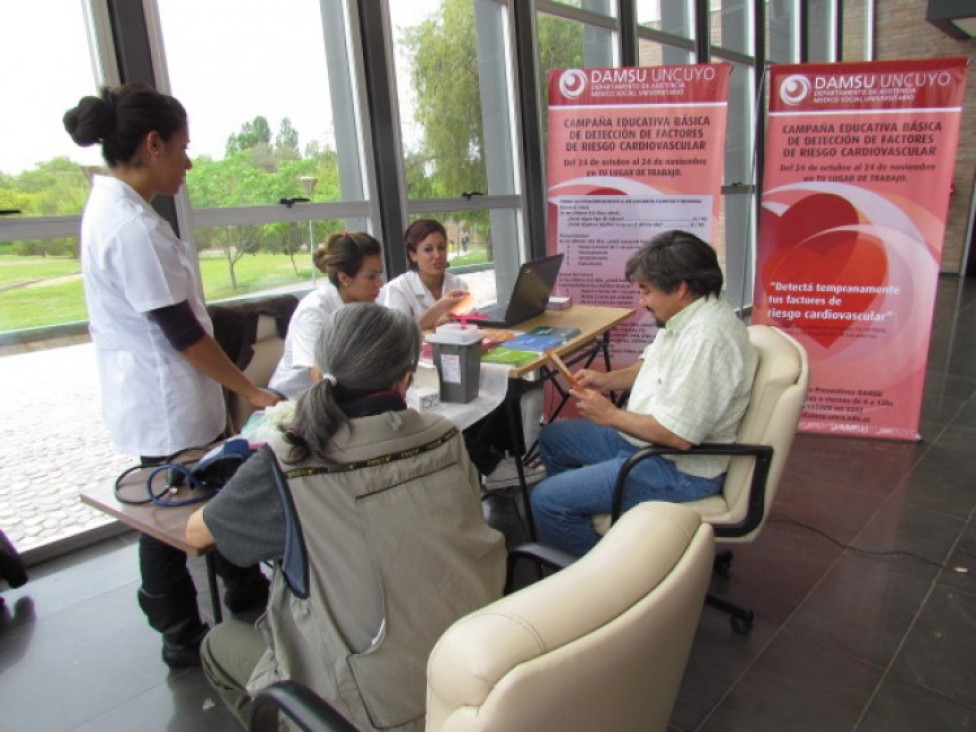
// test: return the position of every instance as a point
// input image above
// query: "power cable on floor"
(966, 547)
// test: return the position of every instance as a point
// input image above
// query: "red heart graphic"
(806, 218)
(809, 249)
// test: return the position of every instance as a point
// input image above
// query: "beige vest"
(396, 549)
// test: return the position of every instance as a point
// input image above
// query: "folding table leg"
(218, 612)
(517, 442)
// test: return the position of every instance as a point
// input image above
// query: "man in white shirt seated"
(691, 385)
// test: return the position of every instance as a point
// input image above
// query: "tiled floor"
(843, 640)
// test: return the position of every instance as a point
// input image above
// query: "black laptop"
(529, 297)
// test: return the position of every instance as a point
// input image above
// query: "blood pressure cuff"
(179, 325)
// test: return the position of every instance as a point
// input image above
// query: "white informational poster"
(598, 234)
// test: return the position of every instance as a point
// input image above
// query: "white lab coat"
(292, 377)
(408, 293)
(154, 402)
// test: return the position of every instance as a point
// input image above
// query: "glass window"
(238, 260)
(566, 44)
(284, 132)
(738, 254)
(44, 175)
(560, 46)
(730, 25)
(739, 128)
(674, 17)
(436, 55)
(455, 89)
(40, 166)
(275, 120)
(783, 31)
(603, 7)
(40, 284)
(652, 53)
(858, 31)
(821, 19)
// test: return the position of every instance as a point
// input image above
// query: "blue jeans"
(582, 462)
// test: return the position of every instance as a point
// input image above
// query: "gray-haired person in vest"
(372, 516)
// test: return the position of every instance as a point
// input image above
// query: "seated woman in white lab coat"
(427, 291)
(353, 263)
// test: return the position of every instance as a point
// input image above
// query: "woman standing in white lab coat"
(159, 366)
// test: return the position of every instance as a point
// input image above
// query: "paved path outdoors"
(52, 445)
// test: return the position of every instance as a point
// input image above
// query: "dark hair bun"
(91, 121)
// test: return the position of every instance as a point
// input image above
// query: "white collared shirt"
(292, 376)
(154, 402)
(696, 379)
(407, 293)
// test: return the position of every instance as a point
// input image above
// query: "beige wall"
(901, 31)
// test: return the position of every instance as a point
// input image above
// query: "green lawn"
(28, 301)
(62, 300)
(479, 256)
(17, 270)
(40, 305)
(254, 273)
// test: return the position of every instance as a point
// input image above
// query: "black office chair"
(300, 704)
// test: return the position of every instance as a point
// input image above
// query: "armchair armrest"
(763, 455)
(543, 556)
(300, 704)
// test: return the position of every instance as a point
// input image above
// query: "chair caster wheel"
(741, 625)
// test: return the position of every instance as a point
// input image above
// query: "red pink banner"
(859, 160)
(632, 151)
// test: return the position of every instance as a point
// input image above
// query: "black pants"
(167, 595)
(488, 439)
(163, 568)
(492, 436)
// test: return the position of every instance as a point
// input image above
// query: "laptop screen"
(533, 287)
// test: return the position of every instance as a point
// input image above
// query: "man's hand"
(606, 381)
(595, 407)
(600, 410)
(592, 379)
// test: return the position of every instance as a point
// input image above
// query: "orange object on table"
(464, 306)
(563, 368)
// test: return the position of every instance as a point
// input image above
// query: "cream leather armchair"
(759, 454)
(600, 645)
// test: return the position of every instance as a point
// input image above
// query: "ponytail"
(363, 348)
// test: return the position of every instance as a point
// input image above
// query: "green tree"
(233, 181)
(445, 81)
(286, 141)
(251, 135)
(57, 187)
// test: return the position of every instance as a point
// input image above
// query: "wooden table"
(595, 324)
(166, 523)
